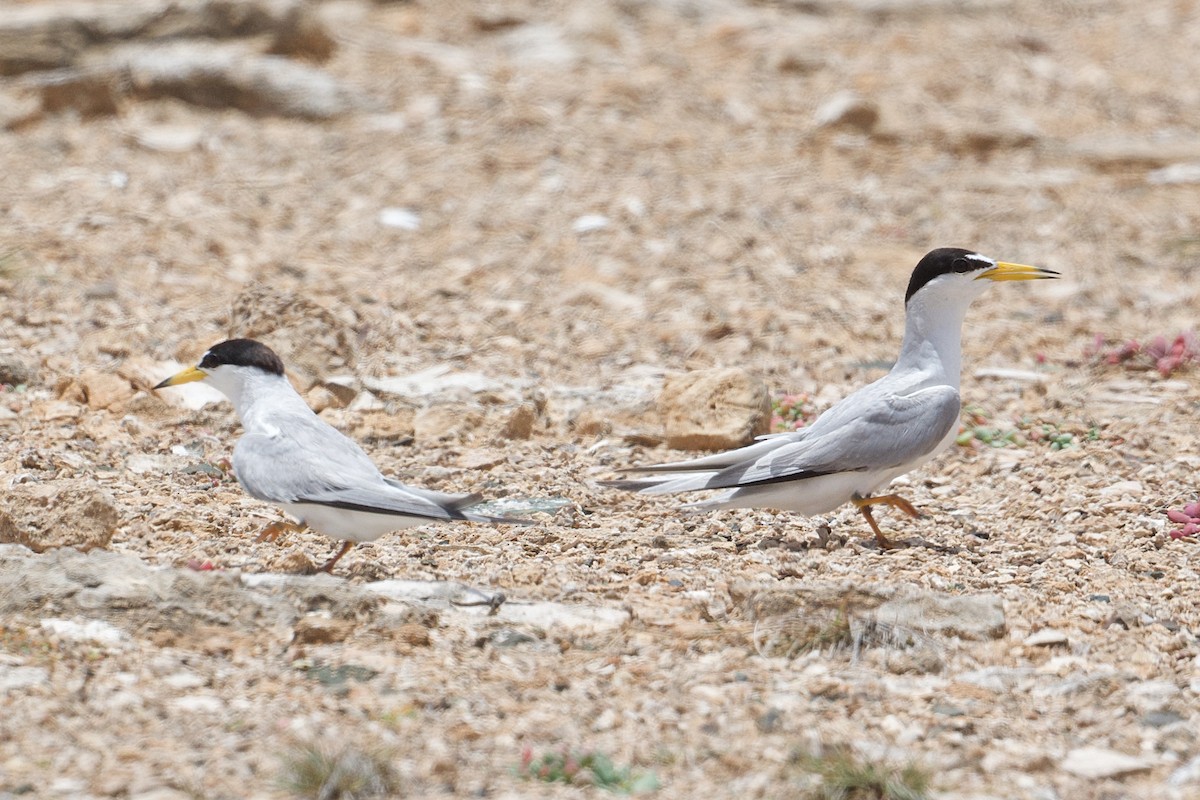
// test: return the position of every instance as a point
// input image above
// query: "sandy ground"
(564, 202)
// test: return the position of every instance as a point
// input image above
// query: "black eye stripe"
(962, 265)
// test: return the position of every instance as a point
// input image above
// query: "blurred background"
(562, 190)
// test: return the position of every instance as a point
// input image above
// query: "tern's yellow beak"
(187, 376)
(1004, 271)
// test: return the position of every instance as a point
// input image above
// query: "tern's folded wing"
(303, 457)
(896, 430)
(307, 461)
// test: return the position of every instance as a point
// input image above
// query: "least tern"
(879, 432)
(291, 457)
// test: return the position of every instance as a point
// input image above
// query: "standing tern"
(291, 457)
(878, 433)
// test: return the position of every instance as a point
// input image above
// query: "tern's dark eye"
(961, 264)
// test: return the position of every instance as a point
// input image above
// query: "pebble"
(1122, 488)
(400, 218)
(1152, 696)
(1047, 637)
(847, 109)
(589, 222)
(1186, 775)
(18, 677)
(1175, 174)
(1099, 762)
(198, 703)
(90, 630)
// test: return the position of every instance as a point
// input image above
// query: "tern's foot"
(863, 504)
(895, 501)
(328, 565)
(277, 530)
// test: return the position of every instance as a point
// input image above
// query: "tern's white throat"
(933, 322)
(256, 394)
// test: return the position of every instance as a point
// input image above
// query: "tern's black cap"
(242, 353)
(943, 261)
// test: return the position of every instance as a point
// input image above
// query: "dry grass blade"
(313, 771)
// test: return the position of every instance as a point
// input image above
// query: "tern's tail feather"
(458, 505)
(668, 483)
(694, 473)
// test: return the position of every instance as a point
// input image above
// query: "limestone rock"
(104, 389)
(1100, 762)
(977, 617)
(321, 629)
(309, 338)
(714, 409)
(396, 426)
(520, 422)
(230, 76)
(447, 421)
(63, 513)
(49, 35)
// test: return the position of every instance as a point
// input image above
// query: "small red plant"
(792, 411)
(1189, 521)
(1161, 354)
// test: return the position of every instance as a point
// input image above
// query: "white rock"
(161, 793)
(22, 677)
(1121, 488)
(589, 222)
(435, 380)
(996, 679)
(606, 721)
(1100, 762)
(145, 463)
(1151, 696)
(402, 218)
(88, 630)
(69, 787)
(185, 680)
(198, 703)
(168, 138)
(1046, 637)
(1175, 173)
(1187, 775)
(539, 45)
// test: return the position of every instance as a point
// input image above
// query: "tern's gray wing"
(890, 431)
(306, 461)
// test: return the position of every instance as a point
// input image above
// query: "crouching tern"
(291, 457)
(878, 433)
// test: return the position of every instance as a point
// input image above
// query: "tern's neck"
(933, 342)
(259, 395)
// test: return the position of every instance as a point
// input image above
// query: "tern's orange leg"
(895, 501)
(328, 565)
(863, 504)
(277, 530)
